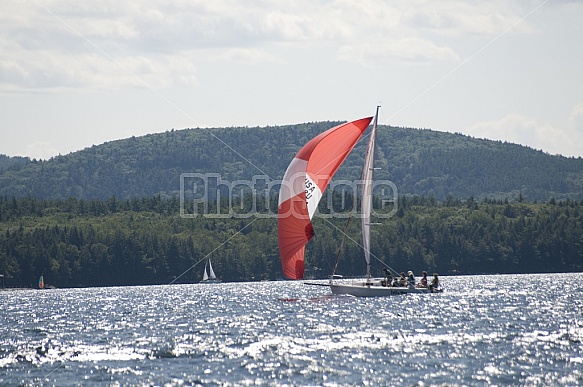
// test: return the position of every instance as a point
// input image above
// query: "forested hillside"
(7, 162)
(145, 241)
(419, 162)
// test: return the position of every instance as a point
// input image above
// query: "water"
(513, 329)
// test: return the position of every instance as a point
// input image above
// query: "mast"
(367, 183)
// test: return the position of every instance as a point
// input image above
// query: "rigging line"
(67, 360)
(467, 60)
(190, 268)
(361, 246)
(215, 249)
(148, 86)
(174, 280)
(344, 235)
(346, 154)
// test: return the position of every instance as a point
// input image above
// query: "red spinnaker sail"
(304, 182)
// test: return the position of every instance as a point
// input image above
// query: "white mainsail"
(205, 276)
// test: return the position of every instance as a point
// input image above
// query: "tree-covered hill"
(7, 162)
(419, 162)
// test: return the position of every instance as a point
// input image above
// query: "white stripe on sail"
(293, 180)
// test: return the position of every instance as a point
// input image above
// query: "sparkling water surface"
(484, 330)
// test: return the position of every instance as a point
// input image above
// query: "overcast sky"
(77, 73)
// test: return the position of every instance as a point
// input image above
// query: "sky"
(75, 73)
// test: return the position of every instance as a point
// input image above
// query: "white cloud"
(250, 56)
(460, 18)
(576, 127)
(57, 44)
(519, 129)
(576, 117)
(407, 51)
(40, 150)
(47, 70)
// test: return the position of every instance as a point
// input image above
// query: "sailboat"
(303, 184)
(41, 282)
(209, 277)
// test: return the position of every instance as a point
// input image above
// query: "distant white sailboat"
(209, 277)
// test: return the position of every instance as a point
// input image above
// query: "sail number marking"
(310, 187)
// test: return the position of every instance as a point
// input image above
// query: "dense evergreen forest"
(419, 162)
(145, 241)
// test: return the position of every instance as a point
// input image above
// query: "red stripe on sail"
(324, 155)
(327, 151)
(293, 232)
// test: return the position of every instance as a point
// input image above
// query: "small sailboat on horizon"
(210, 276)
(42, 285)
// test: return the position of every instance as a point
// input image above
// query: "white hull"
(375, 289)
(211, 281)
